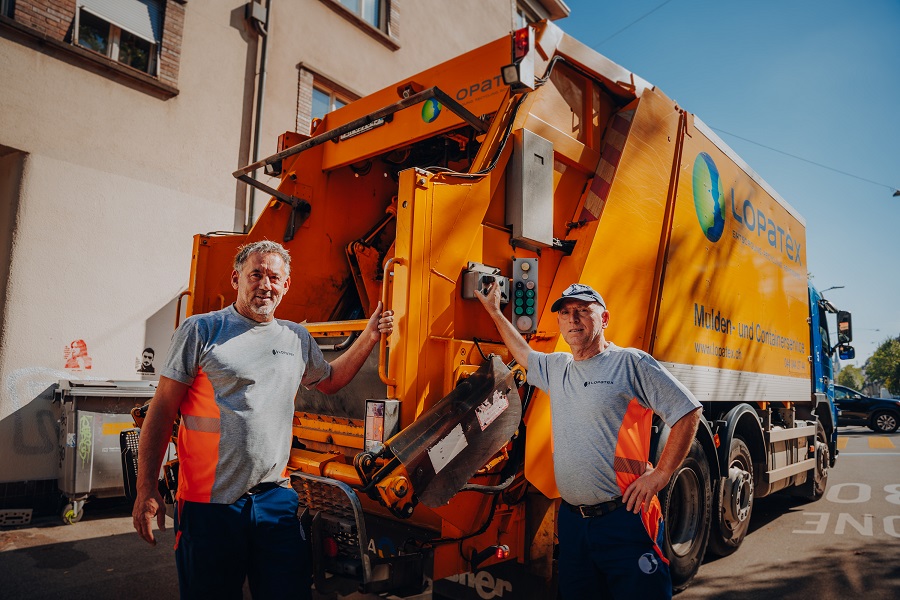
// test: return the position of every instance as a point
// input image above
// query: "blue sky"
(816, 79)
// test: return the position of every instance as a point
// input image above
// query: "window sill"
(388, 41)
(92, 61)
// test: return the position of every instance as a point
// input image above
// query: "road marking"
(842, 442)
(869, 454)
(881, 442)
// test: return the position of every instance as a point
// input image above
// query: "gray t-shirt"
(589, 400)
(236, 425)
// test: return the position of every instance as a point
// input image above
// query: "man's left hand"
(641, 491)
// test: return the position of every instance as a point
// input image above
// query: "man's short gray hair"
(262, 247)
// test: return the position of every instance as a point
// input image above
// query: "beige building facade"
(121, 123)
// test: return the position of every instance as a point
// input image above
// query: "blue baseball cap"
(578, 291)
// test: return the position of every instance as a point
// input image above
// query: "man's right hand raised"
(490, 298)
(513, 340)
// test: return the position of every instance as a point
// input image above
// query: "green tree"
(883, 367)
(851, 377)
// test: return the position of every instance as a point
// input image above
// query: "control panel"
(524, 295)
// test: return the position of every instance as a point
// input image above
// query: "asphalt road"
(846, 545)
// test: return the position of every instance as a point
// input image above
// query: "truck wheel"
(884, 422)
(733, 501)
(686, 509)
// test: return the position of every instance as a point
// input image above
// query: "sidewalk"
(99, 557)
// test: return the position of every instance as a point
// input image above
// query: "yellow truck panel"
(734, 294)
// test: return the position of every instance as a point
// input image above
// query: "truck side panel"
(733, 321)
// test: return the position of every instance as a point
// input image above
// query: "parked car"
(878, 414)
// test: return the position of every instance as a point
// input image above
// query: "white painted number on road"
(893, 493)
(863, 493)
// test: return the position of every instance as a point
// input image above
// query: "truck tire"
(686, 505)
(884, 421)
(732, 501)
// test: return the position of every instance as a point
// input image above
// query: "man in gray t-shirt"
(602, 400)
(232, 375)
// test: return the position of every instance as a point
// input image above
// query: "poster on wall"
(76, 356)
(144, 364)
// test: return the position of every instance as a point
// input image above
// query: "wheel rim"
(822, 456)
(739, 495)
(886, 422)
(683, 516)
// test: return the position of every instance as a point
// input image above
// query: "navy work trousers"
(610, 556)
(258, 538)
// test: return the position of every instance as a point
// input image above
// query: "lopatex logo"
(708, 197)
(284, 352)
(603, 381)
(648, 563)
(710, 205)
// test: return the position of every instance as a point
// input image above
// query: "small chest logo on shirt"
(285, 352)
(603, 381)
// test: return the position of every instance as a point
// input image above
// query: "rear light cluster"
(521, 43)
(330, 547)
(519, 75)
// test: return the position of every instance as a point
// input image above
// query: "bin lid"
(87, 387)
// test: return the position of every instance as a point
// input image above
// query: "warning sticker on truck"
(491, 408)
(447, 449)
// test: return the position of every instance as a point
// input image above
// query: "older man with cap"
(602, 400)
(232, 376)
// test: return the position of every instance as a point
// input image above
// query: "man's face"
(260, 286)
(581, 322)
(146, 359)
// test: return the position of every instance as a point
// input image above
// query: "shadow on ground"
(98, 558)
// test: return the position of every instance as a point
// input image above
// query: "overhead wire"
(638, 20)
(812, 162)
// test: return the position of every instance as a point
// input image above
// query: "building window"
(317, 96)
(380, 19)
(127, 31)
(324, 101)
(369, 11)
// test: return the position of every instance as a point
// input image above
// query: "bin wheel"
(70, 515)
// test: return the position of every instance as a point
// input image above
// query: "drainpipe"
(261, 27)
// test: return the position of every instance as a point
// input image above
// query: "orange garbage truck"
(534, 162)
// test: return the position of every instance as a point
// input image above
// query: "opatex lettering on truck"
(537, 162)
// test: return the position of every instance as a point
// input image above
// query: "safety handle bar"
(178, 307)
(383, 342)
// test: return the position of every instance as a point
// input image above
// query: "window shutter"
(143, 18)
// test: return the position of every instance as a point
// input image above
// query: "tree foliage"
(851, 377)
(883, 367)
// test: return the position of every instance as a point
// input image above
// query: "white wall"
(109, 183)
